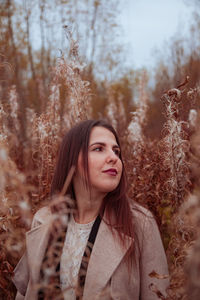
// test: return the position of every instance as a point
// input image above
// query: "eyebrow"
(103, 144)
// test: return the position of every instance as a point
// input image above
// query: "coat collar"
(106, 255)
(36, 243)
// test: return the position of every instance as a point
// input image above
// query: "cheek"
(92, 167)
(94, 163)
(120, 166)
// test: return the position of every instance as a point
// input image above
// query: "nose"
(111, 157)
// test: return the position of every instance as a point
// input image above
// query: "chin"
(109, 189)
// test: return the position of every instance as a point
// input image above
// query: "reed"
(163, 174)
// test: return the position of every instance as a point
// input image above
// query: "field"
(160, 142)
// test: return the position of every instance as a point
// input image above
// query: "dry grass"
(163, 174)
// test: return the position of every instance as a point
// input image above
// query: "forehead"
(102, 134)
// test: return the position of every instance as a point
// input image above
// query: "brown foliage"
(158, 170)
(163, 172)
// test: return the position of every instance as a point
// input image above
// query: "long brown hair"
(115, 202)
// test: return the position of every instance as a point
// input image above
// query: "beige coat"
(107, 275)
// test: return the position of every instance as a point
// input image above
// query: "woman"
(122, 238)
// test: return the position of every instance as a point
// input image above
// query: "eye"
(98, 149)
(117, 151)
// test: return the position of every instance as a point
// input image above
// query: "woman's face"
(104, 164)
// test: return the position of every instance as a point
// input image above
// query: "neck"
(88, 205)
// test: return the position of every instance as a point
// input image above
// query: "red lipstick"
(112, 172)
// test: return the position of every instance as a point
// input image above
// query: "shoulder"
(143, 221)
(41, 216)
(140, 212)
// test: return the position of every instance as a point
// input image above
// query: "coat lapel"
(106, 255)
(37, 240)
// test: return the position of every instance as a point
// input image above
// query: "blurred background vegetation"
(32, 38)
(62, 61)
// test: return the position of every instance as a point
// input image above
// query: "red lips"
(112, 172)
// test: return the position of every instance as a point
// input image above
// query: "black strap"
(83, 266)
(86, 257)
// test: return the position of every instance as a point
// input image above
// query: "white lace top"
(73, 249)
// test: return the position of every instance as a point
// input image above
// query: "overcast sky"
(146, 26)
(150, 24)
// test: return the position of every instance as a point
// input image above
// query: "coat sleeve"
(152, 258)
(21, 277)
(21, 272)
(19, 296)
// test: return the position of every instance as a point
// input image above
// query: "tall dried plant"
(158, 171)
(15, 216)
(111, 108)
(139, 117)
(14, 107)
(77, 104)
(45, 139)
(140, 152)
(191, 210)
(19, 198)
(175, 149)
(58, 117)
